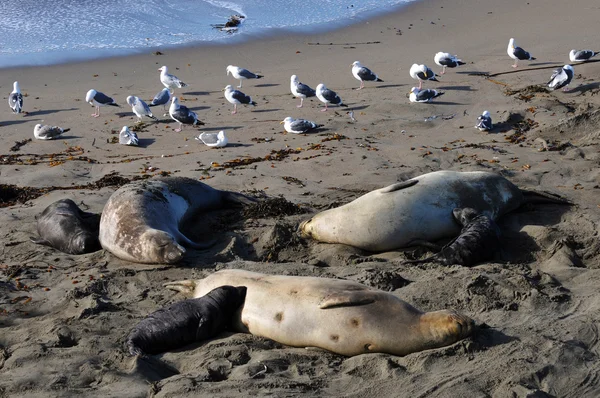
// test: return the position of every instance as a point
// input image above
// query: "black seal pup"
(67, 228)
(186, 322)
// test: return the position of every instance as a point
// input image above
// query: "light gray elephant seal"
(141, 220)
(65, 227)
(186, 322)
(341, 316)
(419, 209)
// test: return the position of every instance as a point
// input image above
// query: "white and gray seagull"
(98, 99)
(300, 90)
(561, 78)
(182, 115)
(241, 74)
(299, 126)
(15, 99)
(421, 73)
(45, 132)
(484, 122)
(517, 53)
(363, 74)
(581, 55)
(447, 60)
(426, 95)
(213, 140)
(140, 108)
(236, 97)
(328, 96)
(128, 137)
(162, 98)
(170, 81)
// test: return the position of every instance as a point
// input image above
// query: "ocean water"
(41, 32)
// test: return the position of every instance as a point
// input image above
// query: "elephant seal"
(341, 316)
(186, 321)
(141, 220)
(419, 209)
(479, 239)
(65, 227)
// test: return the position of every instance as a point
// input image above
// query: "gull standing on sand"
(98, 99)
(182, 115)
(299, 126)
(422, 73)
(561, 78)
(128, 137)
(418, 95)
(328, 96)
(517, 53)
(237, 97)
(15, 99)
(447, 60)
(363, 74)
(484, 122)
(170, 81)
(214, 140)
(162, 98)
(241, 74)
(140, 108)
(300, 90)
(42, 132)
(581, 55)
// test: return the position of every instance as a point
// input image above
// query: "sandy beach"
(64, 318)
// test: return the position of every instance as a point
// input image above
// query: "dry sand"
(64, 318)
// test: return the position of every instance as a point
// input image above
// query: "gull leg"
(420, 84)
(97, 113)
(362, 85)
(515, 64)
(443, 70)
(240, 86)
(324, 109)
(234, 109)
(180, 128)
(301, 102)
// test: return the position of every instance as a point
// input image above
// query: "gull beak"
(281, 122)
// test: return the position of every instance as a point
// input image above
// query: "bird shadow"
(356, 108)
(48, 111)
(199, 92)
(458, 88)
(145, 142)
(124, 114)
(471, 72)
(224, 128)
(237, 145)
(199, 108)
(11, 122)
(585, 87)
(544, 63)
(391, 85)
(268, 85)
(444, 103)
(68, 137)
(266, 110)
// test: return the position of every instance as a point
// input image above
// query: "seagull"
(42, 132)
(363, 74)
(517, 53)
(98, 99)
(561, 78)
(214, 140)
(182, 115)
(140, 108)
(241, 74)
(418, 95)
(170, 81)
(328, 96)
(447, 60)
(128, 137)
(237, 97)
(300, 90)
(421, 73)
(484, 121)
(299, 126)
(162, 98)
(581, 55)
(15, 99)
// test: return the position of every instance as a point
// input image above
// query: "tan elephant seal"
(417, 210)
(141, 220)
(341, 316)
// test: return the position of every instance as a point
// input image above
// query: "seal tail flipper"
(347, 299)
(186, 287)
(399, 185)
(544, 197)
(39, 241)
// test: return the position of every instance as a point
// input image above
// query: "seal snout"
(303, 229)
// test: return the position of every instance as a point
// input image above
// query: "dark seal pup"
(186, 322)
(479, 239)
(67, 228)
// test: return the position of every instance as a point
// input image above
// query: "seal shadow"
(486, 337)
(152, 369)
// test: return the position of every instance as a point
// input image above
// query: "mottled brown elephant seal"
(416, 210)
(141, 220)
(341, 316)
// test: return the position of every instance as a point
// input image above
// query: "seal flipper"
(40, 241)
(399, 185)
(347, 299)
(544, 197)
(186, 287)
